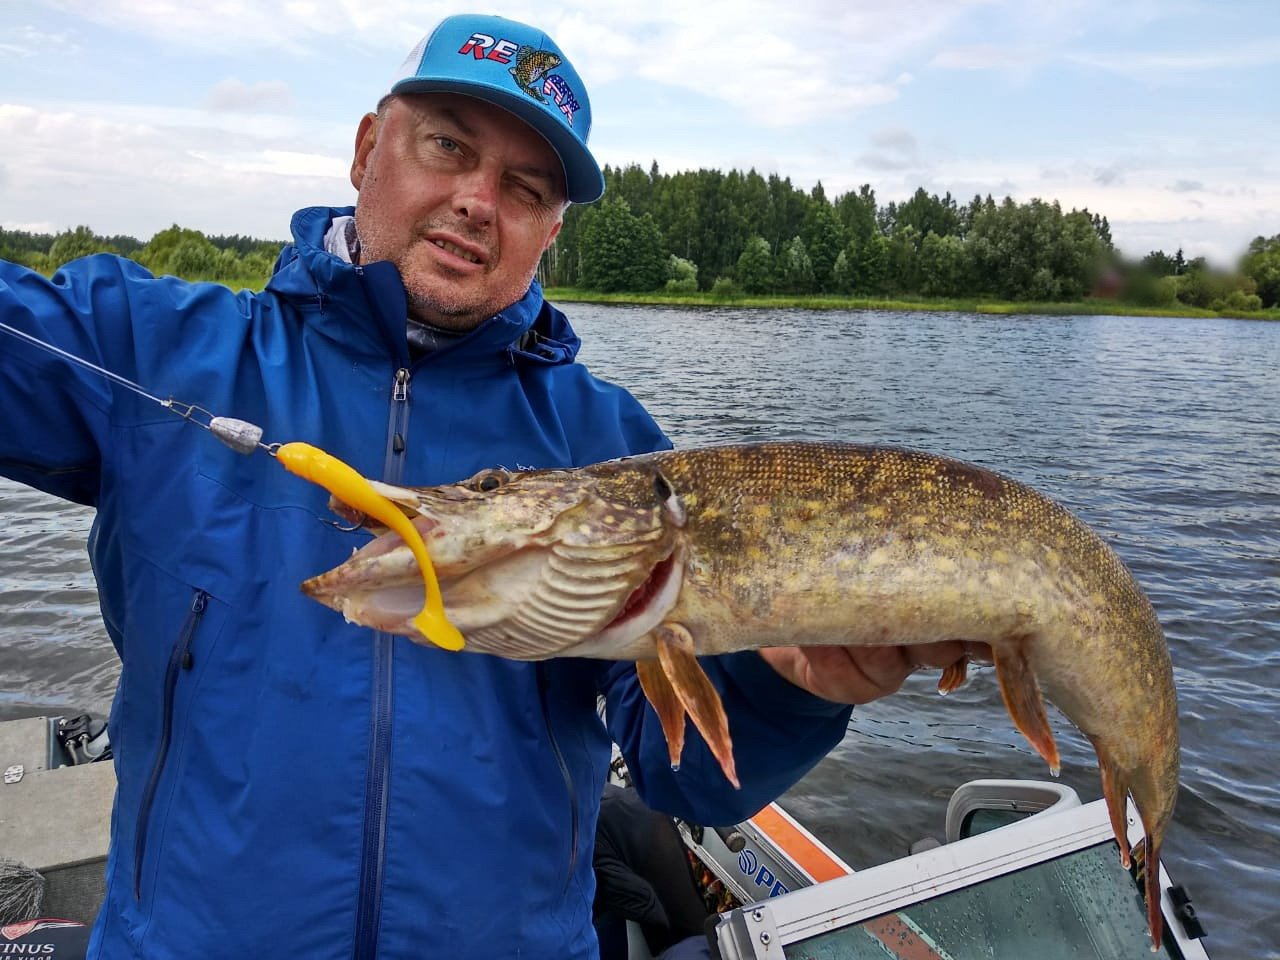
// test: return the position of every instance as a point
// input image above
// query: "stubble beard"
(430, 298)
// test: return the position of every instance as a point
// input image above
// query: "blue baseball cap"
(516, 67)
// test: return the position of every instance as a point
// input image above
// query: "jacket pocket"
(181, 659)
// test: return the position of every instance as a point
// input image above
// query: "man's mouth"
(456, 250)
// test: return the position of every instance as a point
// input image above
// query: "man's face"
(462, 197)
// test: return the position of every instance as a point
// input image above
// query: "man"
(290, 784)
(643, 875)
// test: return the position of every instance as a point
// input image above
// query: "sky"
(225, 116)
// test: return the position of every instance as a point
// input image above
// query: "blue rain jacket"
(289, 784)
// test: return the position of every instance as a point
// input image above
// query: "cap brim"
(583, 180)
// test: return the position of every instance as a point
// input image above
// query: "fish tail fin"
(1154, 790)
(1021, 694)
(692, 686)
(1151, 887)
(666, 704)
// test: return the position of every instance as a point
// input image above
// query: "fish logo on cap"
(531, 66)
(532, 70)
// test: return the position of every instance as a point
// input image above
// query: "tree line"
(176, 251)
(742, 233)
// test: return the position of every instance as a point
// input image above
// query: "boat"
(1023, 869)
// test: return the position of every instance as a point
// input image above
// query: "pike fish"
(664, 557)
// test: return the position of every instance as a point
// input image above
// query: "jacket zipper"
(378, 777)
(179, 659)
(541, 668)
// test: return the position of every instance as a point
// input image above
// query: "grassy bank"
(1085, 307)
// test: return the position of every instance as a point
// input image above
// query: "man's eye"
(528, 192)
(448, 144)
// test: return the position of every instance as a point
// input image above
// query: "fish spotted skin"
(739, 547)
(531, 66)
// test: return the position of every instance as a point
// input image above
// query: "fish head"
(530, 563)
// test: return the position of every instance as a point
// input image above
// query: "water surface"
(1161, 433)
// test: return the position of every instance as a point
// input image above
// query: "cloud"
(232, 95)
(777, 65)
(1106, 176)
(893, 148)
(1186, 186)
(211, 24)
(985, 57)
(1173, 64)
(282, 163)
(136, 177)
(26, 41)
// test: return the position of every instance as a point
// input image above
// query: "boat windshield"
(1080, 906)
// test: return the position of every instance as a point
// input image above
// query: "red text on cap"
(482, 46)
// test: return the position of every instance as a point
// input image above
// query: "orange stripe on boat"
(809, 855)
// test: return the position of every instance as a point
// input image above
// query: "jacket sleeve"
(55, 412)
(779, 732)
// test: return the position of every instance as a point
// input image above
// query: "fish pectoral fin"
(697, 695)
(666, 704)
(954, 676)
(1021, 694)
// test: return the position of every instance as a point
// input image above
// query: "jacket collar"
(365, 307)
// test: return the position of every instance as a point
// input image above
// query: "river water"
(1163, 434)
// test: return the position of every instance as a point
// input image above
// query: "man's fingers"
(935, 656)
(857, 674)
(885, 668)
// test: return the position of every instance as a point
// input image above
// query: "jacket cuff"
(756, 679)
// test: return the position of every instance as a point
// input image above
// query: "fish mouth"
(642, 597)
(380, 585)
(531, 601)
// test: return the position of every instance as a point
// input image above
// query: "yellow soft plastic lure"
(345, 483)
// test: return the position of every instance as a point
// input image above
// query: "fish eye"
(488, 483)
(662, 488)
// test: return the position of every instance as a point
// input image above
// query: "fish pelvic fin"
(695, 692)
(954, 676)
(662, 697)
(1022, 698)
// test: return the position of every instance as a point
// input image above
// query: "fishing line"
(240, 435)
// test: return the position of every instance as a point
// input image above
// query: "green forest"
(742, 236)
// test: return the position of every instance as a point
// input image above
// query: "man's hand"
(858, 675)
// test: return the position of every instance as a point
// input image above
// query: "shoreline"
(836, 302)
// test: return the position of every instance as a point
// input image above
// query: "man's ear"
(366, 137)
(551, 237)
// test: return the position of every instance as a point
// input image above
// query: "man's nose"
(476, 198)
